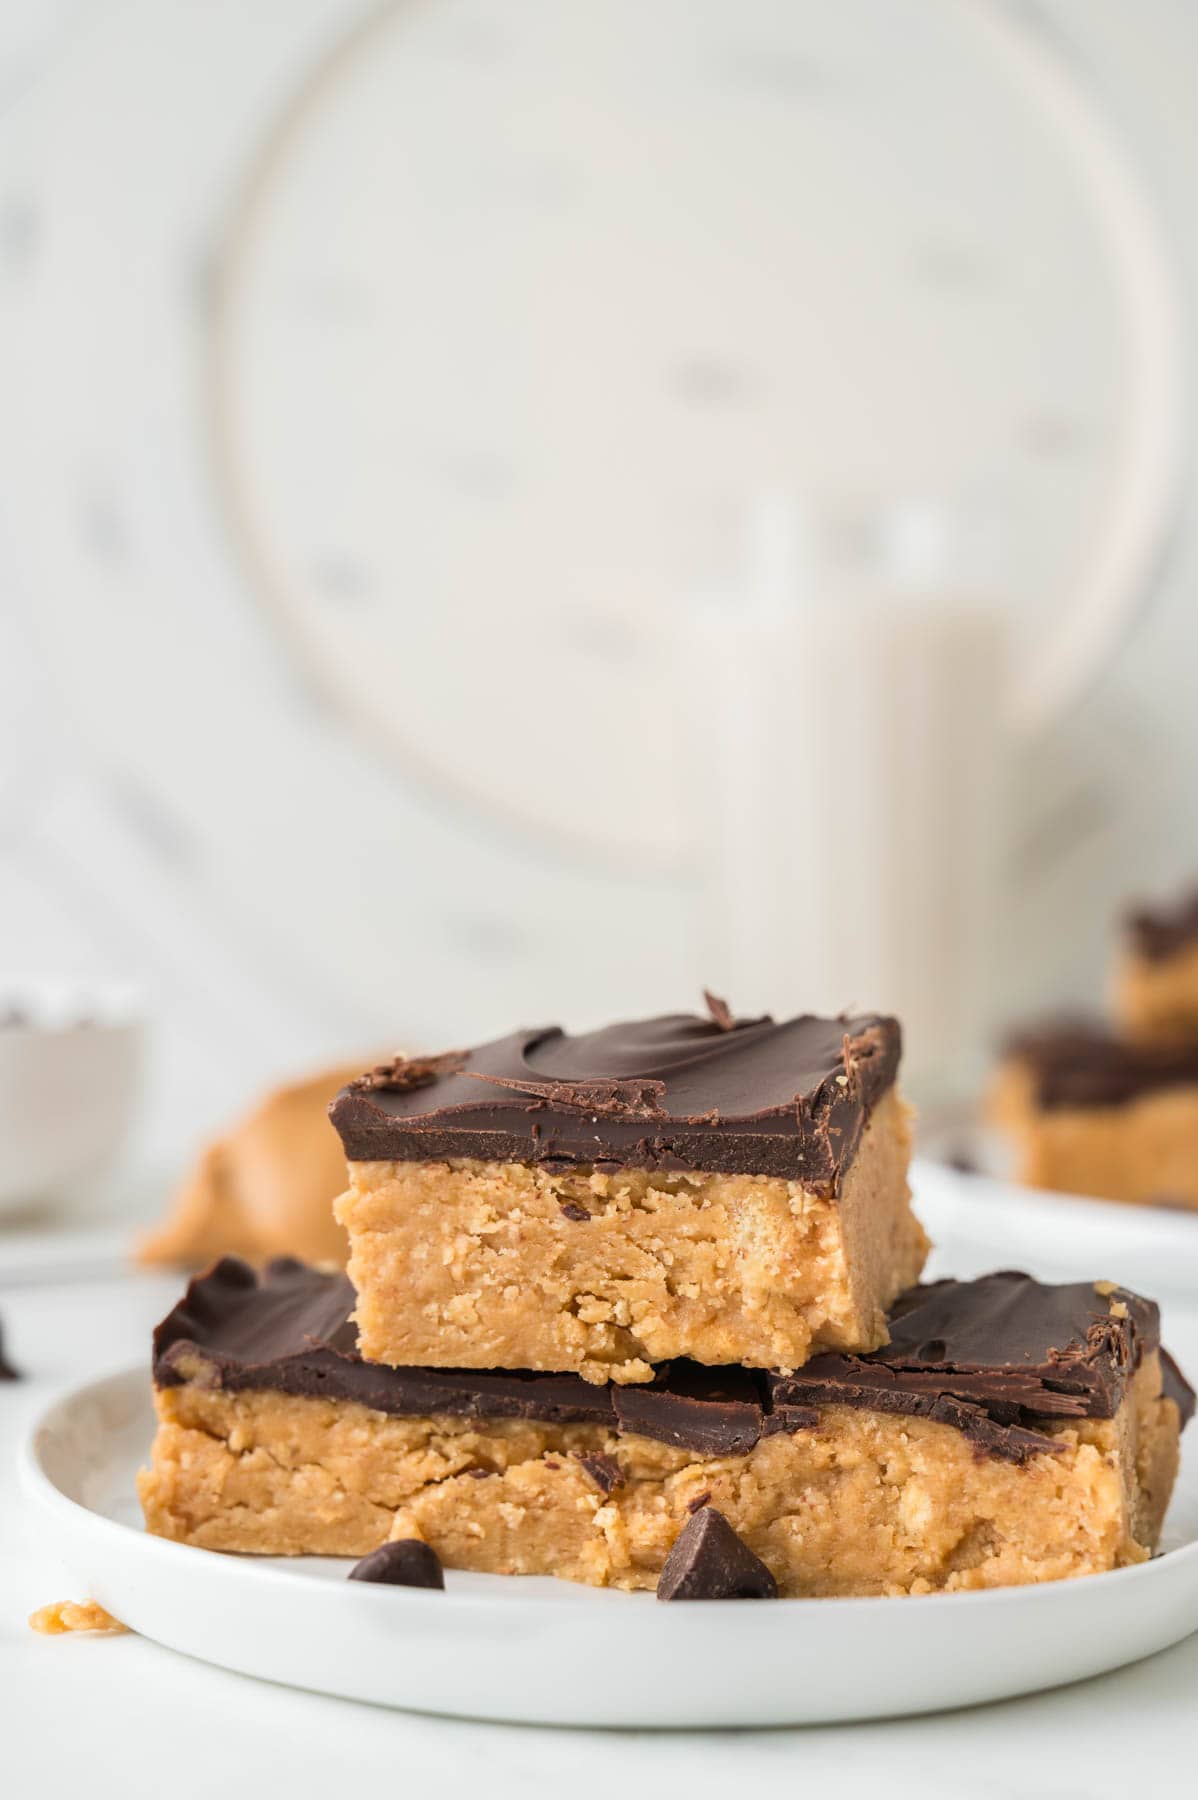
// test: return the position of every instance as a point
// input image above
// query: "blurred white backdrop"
(383, 388)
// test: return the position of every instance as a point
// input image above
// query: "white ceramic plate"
(547, 1652)
(980, 1222)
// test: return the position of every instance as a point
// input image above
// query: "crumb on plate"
(73, 1615)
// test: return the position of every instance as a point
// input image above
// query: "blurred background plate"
(978, 1223)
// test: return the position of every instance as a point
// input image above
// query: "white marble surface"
(127, 1719)
(178, 803)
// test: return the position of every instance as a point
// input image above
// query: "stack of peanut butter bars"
(640, 1308)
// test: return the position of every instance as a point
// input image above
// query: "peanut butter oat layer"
(734, 1191)
(1090, 1113)
(1010, 1432)
(1156, 976)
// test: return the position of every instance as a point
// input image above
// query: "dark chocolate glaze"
(1158, 932)
(739, 1096)
(994, 1358)
(1076, 1063)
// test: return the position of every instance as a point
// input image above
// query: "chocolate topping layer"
(739, 1096)
(990, 1357)
(1075, 1063)
(1159, 932)
(996, 1355)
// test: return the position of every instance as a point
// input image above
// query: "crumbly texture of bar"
(1144, 1151)
(863, 1503)
(467, 1264)
(64, 1616)
(1156, 999)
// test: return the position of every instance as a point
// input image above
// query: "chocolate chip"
(699, 1501)
(578, 1215)
(603, 1470)
(476, 1474)
(709, 1562)
(408, 1562)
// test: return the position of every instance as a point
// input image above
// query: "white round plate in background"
(979, 1222)
(547, 1652)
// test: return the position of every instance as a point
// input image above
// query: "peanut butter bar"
(734, 1191)
(1010, 1432)
(1091, 1113)
(1156, 977)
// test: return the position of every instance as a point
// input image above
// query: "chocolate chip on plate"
(408, 1562)
(710, 1562)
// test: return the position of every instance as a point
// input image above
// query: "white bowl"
(70, 1073)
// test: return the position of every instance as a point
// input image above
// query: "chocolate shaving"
(603, 1470)
(578, 1215)
(720, 1011)
(699, 1501)
(404, 1073)
(635, 1098)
